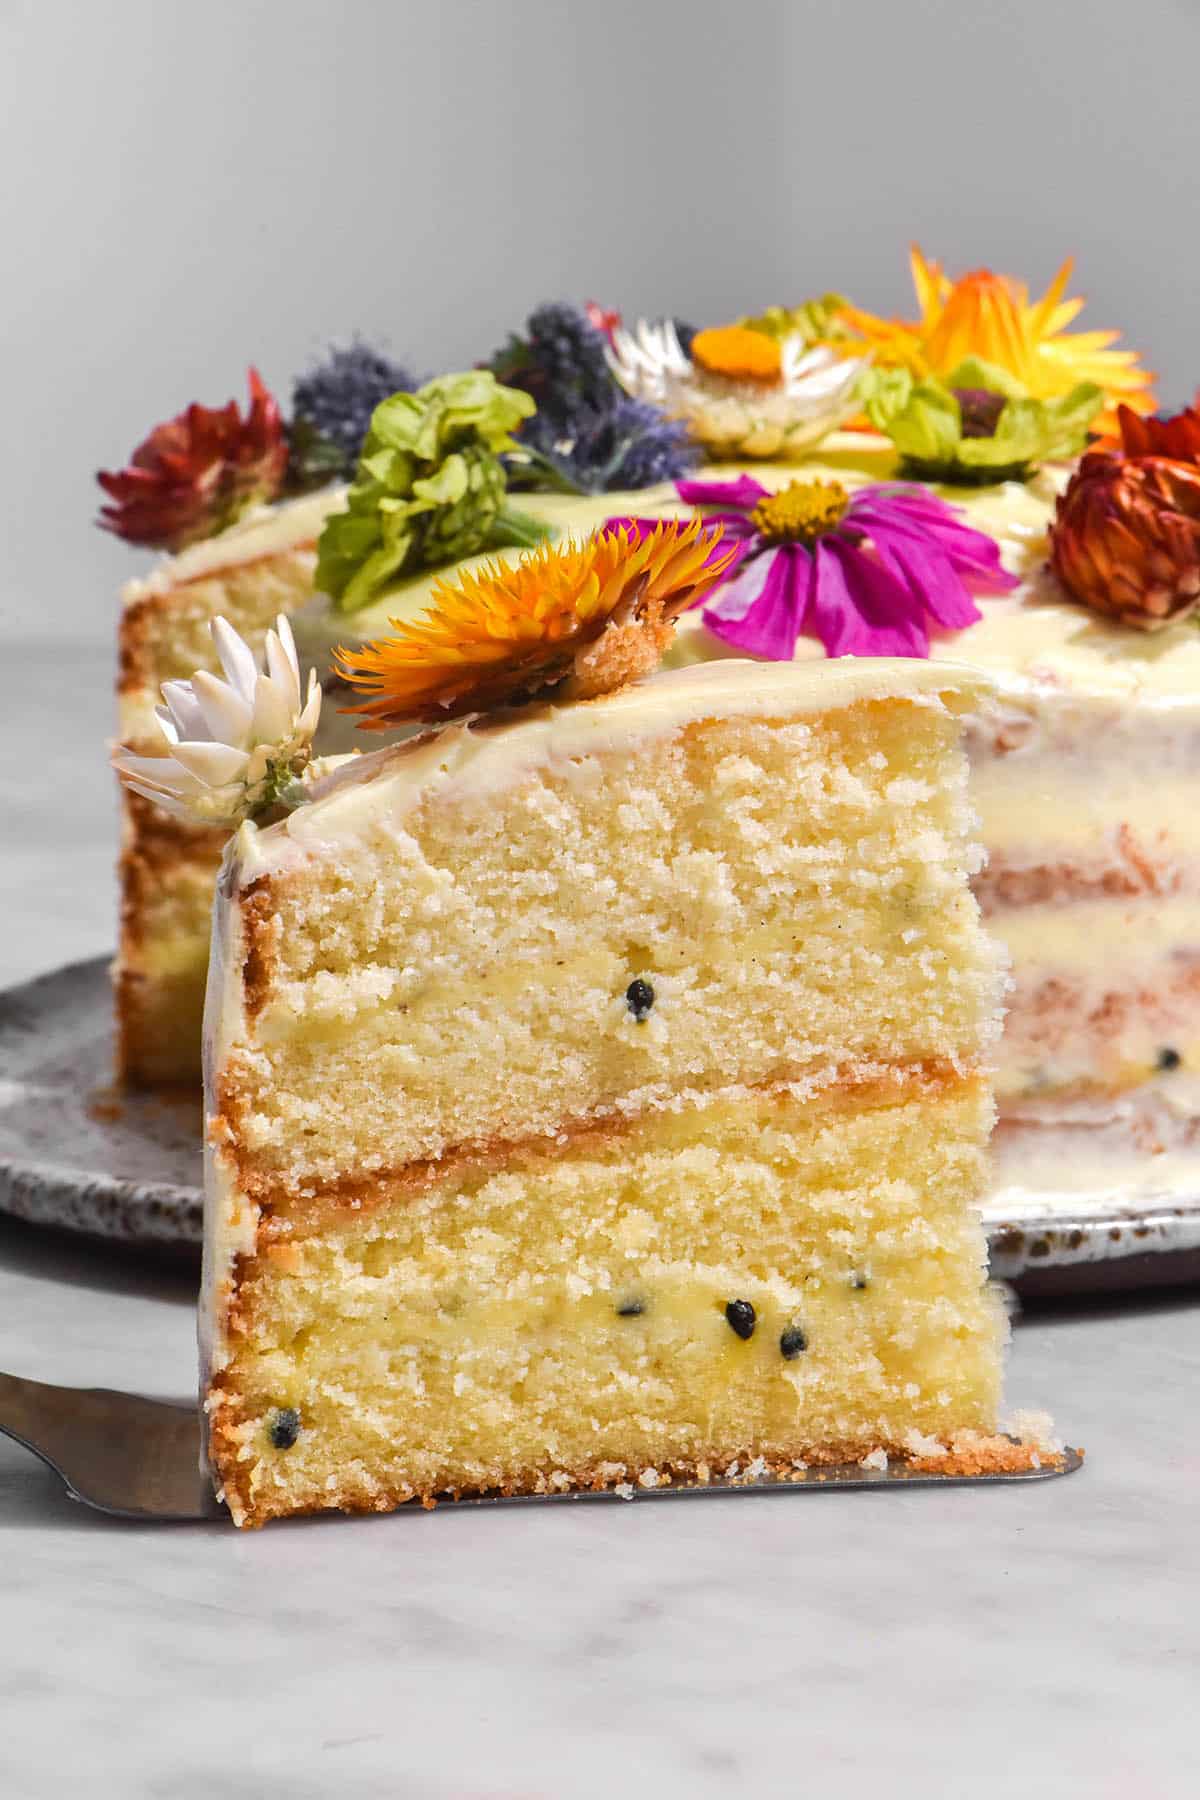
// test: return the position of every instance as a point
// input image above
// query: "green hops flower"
(978, 426)
(430, 487)
(815, 321)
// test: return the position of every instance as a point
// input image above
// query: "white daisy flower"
(740, 392)
(234, 747)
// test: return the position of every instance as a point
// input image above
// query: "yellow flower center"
(738, 354)
(801, 512)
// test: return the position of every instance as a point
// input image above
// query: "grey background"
(189, 187)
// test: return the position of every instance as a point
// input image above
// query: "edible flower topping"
(582, 619)
(600, 318)
(991, 317)
(865, 572)
(558, 358)
(196, 474)
(740, 392)
(979, 425)
(236, 749)
(1126, 535)
(1177, 437)
(800, 513)
(816, 321)
(332, 407)
(587, 435)
(738, 354)
(430, 487)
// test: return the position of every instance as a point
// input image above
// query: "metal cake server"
(140, 1459)
(120, 1453)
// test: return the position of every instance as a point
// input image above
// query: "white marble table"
(969, 1643)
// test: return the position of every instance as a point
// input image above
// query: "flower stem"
(517, 528)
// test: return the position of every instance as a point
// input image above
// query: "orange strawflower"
(600, 613)
(991, 317)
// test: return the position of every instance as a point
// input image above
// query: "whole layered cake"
(979, 485)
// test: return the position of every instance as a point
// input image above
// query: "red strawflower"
(195, 474)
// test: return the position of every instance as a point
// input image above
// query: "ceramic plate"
(73, 1151)
(76, 1153)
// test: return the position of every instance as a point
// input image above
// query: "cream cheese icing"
(1094, 1158)
(263, 531)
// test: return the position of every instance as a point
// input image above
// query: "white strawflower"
(234, 747)
(740, 392)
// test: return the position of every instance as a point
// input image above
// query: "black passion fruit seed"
(792, 1342)
(742, 1318)
(284, 1427)
(639, 998)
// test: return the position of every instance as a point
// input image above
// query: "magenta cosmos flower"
(866, 573)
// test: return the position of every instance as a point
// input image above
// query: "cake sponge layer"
(788, 894)
(168, 869)
(165, 633)
(769, 1274)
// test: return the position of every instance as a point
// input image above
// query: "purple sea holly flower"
(867, 572)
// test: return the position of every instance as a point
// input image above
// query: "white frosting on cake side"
(264, 531)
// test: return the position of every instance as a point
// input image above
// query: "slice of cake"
(597, 1094)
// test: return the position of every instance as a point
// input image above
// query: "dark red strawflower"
(195, 474)
(1178, 438)
(1126, 537)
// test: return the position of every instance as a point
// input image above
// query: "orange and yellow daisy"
(598, 614)
(991, 317)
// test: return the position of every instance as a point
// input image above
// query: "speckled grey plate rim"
(56, 1062)
(133, 1177)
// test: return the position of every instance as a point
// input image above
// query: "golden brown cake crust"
(157, 1014)
(260, 925)
(965, 1453)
